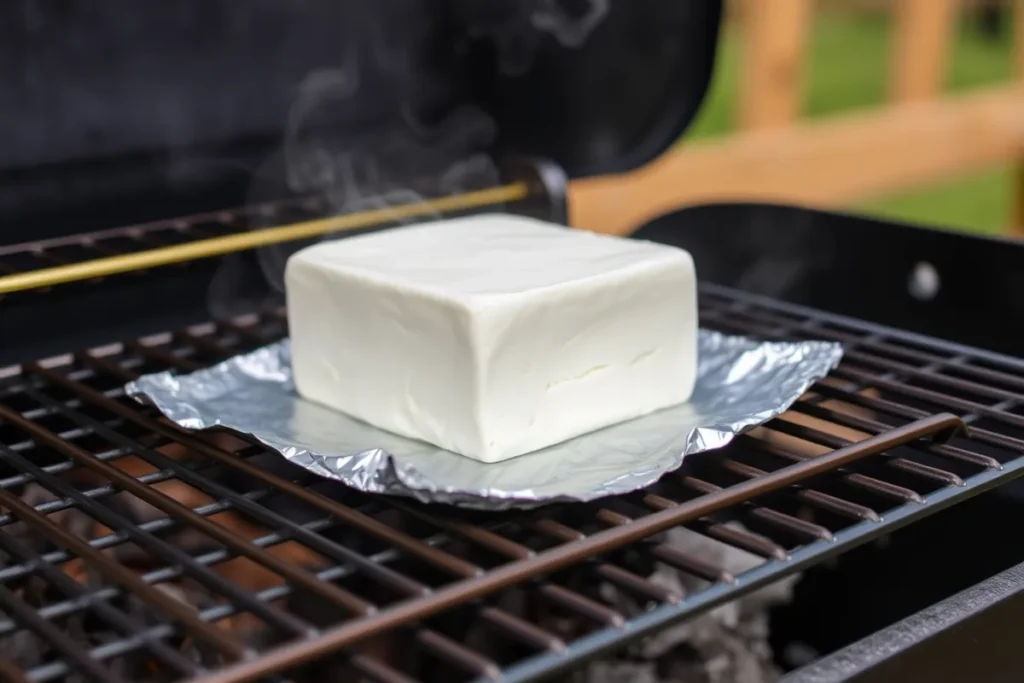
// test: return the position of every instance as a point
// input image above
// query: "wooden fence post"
(771, 71)
(920, 48)
(853, 157)
(1017, 12)
(828, 163)
(1017, 210)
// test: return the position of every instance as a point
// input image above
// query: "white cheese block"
(492, 336)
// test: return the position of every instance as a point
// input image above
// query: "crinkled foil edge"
(736, 363)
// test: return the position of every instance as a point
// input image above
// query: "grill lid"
(162, 102)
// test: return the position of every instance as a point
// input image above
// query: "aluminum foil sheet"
(741, 383)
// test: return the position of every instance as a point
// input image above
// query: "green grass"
(978, 203)
(848, 60)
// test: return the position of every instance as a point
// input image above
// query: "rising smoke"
(406, 150)
(571, 29)
(407, 162)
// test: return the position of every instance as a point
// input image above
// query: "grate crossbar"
(133, 550)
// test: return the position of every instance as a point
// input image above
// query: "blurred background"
(904, 109)
(849, 52)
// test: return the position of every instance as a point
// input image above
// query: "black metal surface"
(547, 201)
(68, 317)
(857, 266)
(186, 101)
(314, 554)
(881, 583)
(88, 313)
(185, 104)
(618, 100)
(970, 636)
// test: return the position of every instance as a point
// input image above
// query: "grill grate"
(136, 551)
(21, 258)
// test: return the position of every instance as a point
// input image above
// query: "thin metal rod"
(121, 575)
(449, 563)
(11, 674)
(552, 560)
(173, 508)
(160, 548)
(243, 504)
(218, 246)
(52, 634)
(116, 618)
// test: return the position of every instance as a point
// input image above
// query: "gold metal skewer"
(217, 246)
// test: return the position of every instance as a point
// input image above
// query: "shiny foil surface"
(741, 383)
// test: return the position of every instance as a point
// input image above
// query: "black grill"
(136, 550)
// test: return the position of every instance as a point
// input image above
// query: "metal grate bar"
(64, 642)
(875, 427)
(286, 570)
(81, 258)
(832, 441)
(408, 586)
(557, 558)
(122, 621)
(215, 221)
(172, 507)
(405, 585)
(376, 570)
(856, 479)
(117, 523)
(265, 516)
(881, 349)
(893, 408)
(451, 564)
(119, 574)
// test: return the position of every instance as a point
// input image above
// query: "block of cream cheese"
(495, 335)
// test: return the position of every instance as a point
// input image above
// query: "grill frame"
(609, 640)
(184, 293)
(931, 644)
(619, 631)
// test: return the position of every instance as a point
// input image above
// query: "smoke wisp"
(571, 29)
(409, 145)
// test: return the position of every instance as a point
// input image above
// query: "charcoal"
(27, 650)
(22, 648)
(728, 644)
(624, 672)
